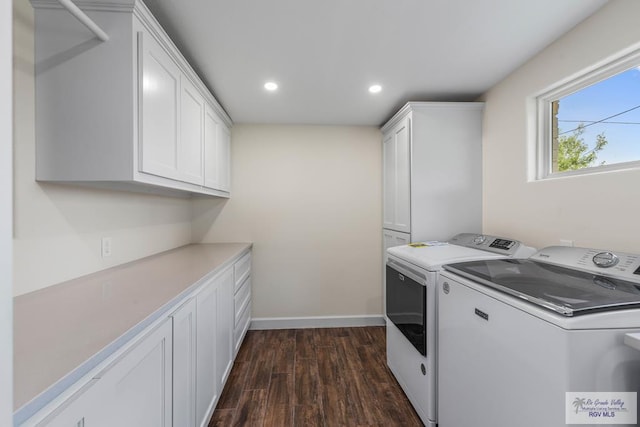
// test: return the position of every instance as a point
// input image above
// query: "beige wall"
(57, 229)
(594, 211)
(309, 198)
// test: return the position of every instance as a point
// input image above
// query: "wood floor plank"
(307, 382)
(253, 341)
(334, 405)
(308, 416)
(361, 335)
(260, 369)
(394, 410)
(306, 377)
(222, 418)
(280, 400)
(279, 416)
(251, 409)
(284, 355)
(329, 367)
(323, 337)
(370, 358)
(234, 387)
(340, 332)
(275, 336)
(361, 405)
(281, 390)
(305, 348)
(348, 353)
(379, 338)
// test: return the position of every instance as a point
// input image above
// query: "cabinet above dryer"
(432, 170)
(129, 113)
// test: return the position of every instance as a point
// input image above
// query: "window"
(592, 122)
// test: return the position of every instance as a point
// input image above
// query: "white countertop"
(63, 331)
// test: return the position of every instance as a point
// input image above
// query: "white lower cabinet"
(214, 357)
(242, 309)
(206, 389)
(184, 364)
(138, 387)
(82, 409)
(171, 376)
(133, 390)
(224, 327)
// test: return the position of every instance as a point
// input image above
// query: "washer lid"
(564, 290)
(432, 255)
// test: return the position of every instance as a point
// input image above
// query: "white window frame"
(616, 64)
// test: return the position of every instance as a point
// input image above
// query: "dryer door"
(406, 304)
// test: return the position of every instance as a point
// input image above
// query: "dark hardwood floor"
(313, 377)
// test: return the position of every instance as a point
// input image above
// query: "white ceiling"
(324, 54)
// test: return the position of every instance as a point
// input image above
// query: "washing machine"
(411, 276)
(545, 341)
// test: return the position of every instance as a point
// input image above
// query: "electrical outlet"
(106, 247)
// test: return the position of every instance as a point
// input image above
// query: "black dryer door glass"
(406, 302)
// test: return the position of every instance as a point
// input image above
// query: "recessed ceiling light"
(375, 88)
(271, 86)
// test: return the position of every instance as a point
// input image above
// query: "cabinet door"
(396, 157)
(402, 137)
(224, 158)
(184, 365)
(224, 326)
(206, 389)
(190, 160)
(139, 386)
(217, 152)
(389, 180)
(211, 125)
(394, 238)
(159, 101)
(82, 409)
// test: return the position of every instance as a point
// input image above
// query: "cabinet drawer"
(241, 270)
(243, 325)
(241, 300)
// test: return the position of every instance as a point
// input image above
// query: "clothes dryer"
(411, 276)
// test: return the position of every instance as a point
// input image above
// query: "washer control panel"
(621, 265)
(494, 244)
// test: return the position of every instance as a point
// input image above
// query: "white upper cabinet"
(389, 184)
(223, 164)
(432, 170)
(397, 177)
(211, 124)
(160, 90)
(192, 108)
(217, 152)
(129, 113)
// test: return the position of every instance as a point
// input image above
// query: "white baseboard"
(315, 322)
